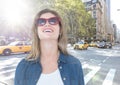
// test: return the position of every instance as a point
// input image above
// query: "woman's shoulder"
(22, 64)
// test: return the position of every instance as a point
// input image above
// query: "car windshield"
(80, 42)
(13, 43)
(101, 43)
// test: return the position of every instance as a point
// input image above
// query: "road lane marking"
(91, 74)
(103, 61)
(109, 78)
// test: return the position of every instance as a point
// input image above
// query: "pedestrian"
(49, 62)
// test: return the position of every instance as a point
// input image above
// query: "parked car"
(14, 47)
(81, 45)
(104, 45)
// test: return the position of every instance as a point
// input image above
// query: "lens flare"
(13, 11)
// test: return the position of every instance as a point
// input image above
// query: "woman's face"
(48, 27)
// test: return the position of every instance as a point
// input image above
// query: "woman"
(49, 63)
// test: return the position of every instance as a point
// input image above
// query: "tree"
(78, 22)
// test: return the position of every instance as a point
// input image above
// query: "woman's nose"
(47, 23)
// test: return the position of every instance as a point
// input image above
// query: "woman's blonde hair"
(62, 40)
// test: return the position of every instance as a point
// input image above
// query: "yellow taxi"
(93, 44)
(81, 45)
(15, 47)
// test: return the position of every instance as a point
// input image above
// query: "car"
(81, 45)
(93, 44)
(104, 45)
(15, 47)
(108, 45)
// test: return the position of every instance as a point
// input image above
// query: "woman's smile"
(48, 30)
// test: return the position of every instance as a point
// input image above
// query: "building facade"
(100, 11)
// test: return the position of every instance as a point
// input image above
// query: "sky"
(115, 13)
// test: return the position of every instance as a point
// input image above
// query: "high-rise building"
(110, 29)
(95, 7)
(108, 8)
(100, 11)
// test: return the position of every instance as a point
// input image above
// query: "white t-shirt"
(50, 79)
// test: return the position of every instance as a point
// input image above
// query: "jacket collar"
(62, 58)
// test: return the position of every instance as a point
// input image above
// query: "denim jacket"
(28, 72)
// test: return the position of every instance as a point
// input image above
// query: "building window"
(94, 6)
(94, 1)
(94, 14)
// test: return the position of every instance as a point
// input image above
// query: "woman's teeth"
(47, 30)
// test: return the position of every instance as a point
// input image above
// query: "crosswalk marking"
(91, 74)
(109, 78)
(13, 65)
(7, 71)
(89, 66)
(84, 66)
(7, 78)
(8, 62)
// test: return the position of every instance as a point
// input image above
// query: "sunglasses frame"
(48, 20)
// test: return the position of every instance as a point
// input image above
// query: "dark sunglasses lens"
(41, 22)
(53, 21)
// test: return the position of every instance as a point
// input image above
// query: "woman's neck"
(49, 49)
(49, 56)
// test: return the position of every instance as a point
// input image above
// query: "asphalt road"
(100, 66)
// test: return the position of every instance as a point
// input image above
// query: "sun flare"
(13, 11)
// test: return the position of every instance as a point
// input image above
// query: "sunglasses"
(51, 21)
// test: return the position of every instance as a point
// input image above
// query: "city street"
(90, 25)
(100, 66)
